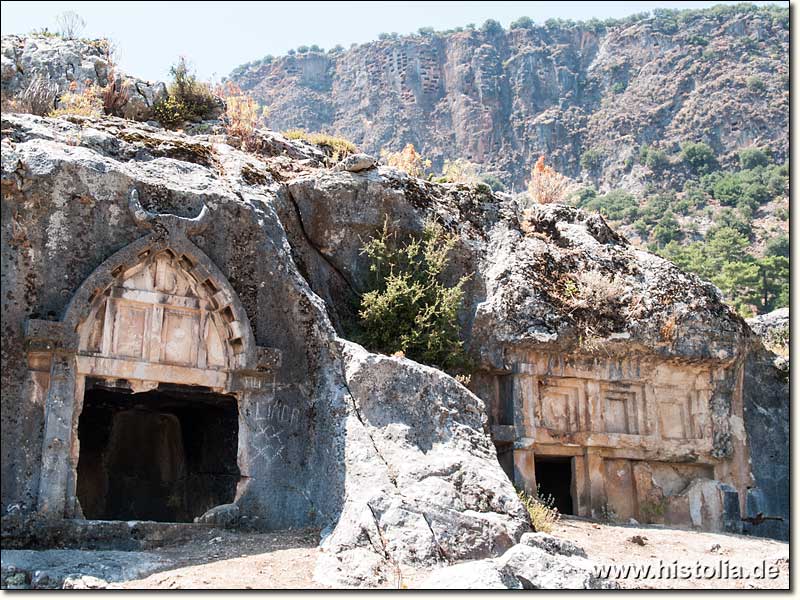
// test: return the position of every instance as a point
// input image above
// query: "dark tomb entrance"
(163, 455)
(554, 479)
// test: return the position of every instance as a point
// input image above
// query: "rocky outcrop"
(498, 97)
(546, 278)
(60, 63)
(768, 417)
(391, 457)
(773, 329)
(538, 562)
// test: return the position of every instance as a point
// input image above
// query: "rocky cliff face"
(502, 98)
(393, 459)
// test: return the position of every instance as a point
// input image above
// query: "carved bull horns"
(145, 218)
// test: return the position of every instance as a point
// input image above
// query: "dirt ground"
(285, 560)
(613, 544)
(228, 560)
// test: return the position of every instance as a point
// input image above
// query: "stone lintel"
(644, 444)
(116, 368)
(671, 455)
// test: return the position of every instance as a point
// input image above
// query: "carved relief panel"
(561, 404)
(574, 405)
(622, 409)
(157, 313)
(679, 414)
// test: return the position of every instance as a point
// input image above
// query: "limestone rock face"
(61, 62)
(773, 329)
(392, 460)
(519, 294)
(767, 409)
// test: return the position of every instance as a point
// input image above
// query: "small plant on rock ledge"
(81, 103)
(410, 308)
(188, 99)
(408, 160)
(547, 185)
(541, 509)
(243, 115)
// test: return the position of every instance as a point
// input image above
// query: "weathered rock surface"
(539, 562)
(393, 459)
(356, 162)
(767, 420)
(397, 476)
(60, 62)
(73, 569)
(773, 329)
(225, 515)
(433, 492)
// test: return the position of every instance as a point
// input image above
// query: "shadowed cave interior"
(164, 455)
(554, 478)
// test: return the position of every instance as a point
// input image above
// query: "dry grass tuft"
(541, 509)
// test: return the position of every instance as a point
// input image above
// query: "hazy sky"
(218, 36)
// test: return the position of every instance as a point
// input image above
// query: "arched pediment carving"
(161, 302)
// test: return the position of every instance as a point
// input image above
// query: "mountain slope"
(500, 98)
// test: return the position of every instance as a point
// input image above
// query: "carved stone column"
(50, 338)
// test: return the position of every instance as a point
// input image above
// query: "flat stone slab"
(48, 569)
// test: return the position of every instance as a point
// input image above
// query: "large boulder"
(423, 484)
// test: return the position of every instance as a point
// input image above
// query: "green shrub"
(492, 27)
(522, 23)
(747, 283)
(778, 246)
(409, 307)
(657, 160)
(699, 157)
(750, 158)
(616, 205)
(592, 160)
(667, 230)
(494, 183)
(618, 87)
(187, 99)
